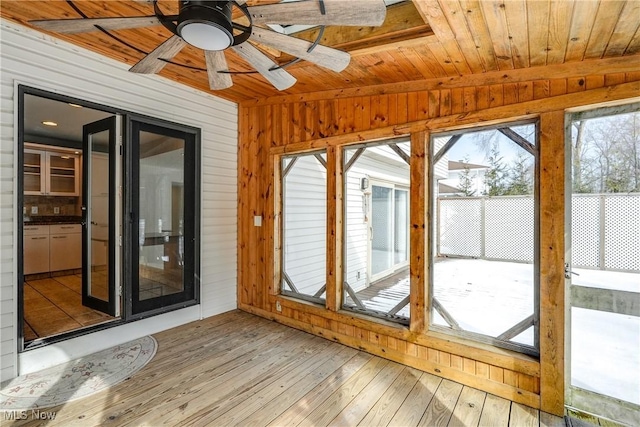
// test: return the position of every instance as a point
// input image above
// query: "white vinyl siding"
(43, 62)
(441, 168)
(373, 166)
(305, 224)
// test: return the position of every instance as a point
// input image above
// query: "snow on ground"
(489, 297)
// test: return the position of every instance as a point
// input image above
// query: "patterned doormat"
(77, 378)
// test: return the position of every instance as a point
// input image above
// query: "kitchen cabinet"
(33, 172)
(65, 247)
(51, 172)
(52, 248)
(36, 249)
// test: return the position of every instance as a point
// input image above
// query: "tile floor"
(54, 305)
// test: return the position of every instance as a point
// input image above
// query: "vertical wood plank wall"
(267, 129)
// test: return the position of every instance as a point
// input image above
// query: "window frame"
(281, 273)
(345, 165)
(431, 240)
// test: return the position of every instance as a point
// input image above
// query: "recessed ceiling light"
(75, 105)
(49, 123)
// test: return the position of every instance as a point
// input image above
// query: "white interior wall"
(40, 61)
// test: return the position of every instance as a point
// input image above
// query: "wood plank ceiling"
(420, 40)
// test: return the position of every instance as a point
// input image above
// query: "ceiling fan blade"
(72, 26)
(152, 63)
(327, 57)
(278, 77)
(337, 12)
(217, 62)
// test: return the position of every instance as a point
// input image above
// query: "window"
(484, 283)
(376, 233)
(304, 231)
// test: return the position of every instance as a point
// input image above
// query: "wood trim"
(507, 389)
(274, 216)
(443, 342)
(244, 122)
(525, 110)
(334, 228)
(419, 259)
(333, 124)
(624, 64)
(552, 282)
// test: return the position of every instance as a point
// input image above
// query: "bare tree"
(577, 156)
(606, 154)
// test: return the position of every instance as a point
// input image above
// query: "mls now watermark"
(32, 414)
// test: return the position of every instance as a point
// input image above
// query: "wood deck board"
(469, 408)
(238, 369)
(495, 412)
(414, 406)
(383, 411)
(440, 409)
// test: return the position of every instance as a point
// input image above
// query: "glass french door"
(101, 205)
(389, 232)
(164, 220)
(603, 265)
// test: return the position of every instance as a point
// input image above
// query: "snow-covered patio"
(489, 297)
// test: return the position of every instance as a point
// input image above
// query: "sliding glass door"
(389, 243)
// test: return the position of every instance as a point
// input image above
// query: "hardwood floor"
(238, 369)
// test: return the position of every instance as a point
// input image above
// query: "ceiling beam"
(624, 64)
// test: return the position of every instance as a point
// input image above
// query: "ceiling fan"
(211, 26)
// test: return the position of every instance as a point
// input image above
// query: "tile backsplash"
(67, 206)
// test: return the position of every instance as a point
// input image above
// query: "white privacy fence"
(605, 229)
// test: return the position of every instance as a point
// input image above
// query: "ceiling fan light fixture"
(206, 24)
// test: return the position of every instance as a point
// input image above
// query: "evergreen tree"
(465, 183)
(520, 177)
(494, 177)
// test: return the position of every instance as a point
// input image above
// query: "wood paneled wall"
(270, 128)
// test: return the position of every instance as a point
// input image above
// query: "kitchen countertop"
(52, 220)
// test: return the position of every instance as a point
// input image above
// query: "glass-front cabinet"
(33, 172)
(51, 173)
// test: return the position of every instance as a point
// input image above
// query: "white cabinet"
(99, 209)
(99, 174)
(51, 173)
(34, 176)
(52, 248)
(36, 249)
(65, 247)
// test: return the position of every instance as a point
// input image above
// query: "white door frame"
(394, 267)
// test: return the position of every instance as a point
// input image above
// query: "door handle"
(568, 272)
